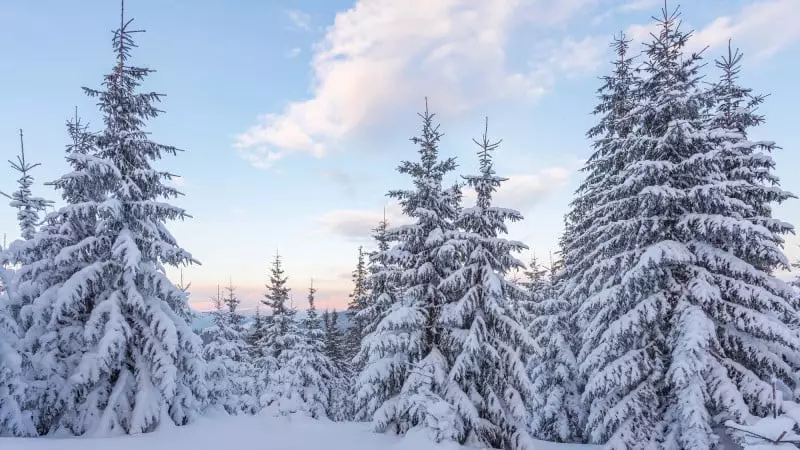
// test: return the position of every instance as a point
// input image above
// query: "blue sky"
(294, 113)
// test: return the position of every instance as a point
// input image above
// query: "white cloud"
(764, 26)
(525, 190)
(639, 5)
(293, 52)
(263, 160)
(571, 58)
(299, 19)
(380, 57)
(632, 6)
(383, 56)
(358, 224)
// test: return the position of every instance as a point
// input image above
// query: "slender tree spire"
(311, 292)
(359, 299)
(487, 386)
(29, 208)
(403, 383)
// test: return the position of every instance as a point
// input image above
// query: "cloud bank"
(381, 55)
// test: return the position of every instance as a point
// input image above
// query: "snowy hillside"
(255, 432)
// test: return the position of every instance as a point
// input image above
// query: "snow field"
(262, 432)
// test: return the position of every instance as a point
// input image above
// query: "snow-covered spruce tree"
(358, 301)
(556, 410)
(283, 315)
(254, 338)
(285, 394)
(138, 361)
(555, 372)
(589, 239)
(382, 286)
(535, 287)
(339, 405)
(488, 383)
(557, 413)
(280, 332)
(29, 208)
(334, 339)
(150, 366)
(536, 281)
(228, 377)
(248, 398)
(381, 280)
(617, 96)
(53, 327)
(255, 334)
(306, 376)
(183, 286)
(748, 164)
(218, 364)
(683, 322)
(14, 419)
(406, 371)
(744, 249)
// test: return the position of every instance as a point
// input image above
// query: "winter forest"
(659, 324)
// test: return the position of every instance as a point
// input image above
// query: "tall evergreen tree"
(617, 97)
(406, 370)
(555, 368)
(14, 419)
(276, 299)
(53, 326)
(749, 312)
(382, 285)
(380, 289)
(280, 331)
(153, 358)
(587, 242)
(29, 208)
(489, 386)
(358, 301)
(126, 357)
(683, 323)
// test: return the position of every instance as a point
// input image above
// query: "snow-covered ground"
(254, 432)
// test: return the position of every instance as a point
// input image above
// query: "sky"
(294, 114)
